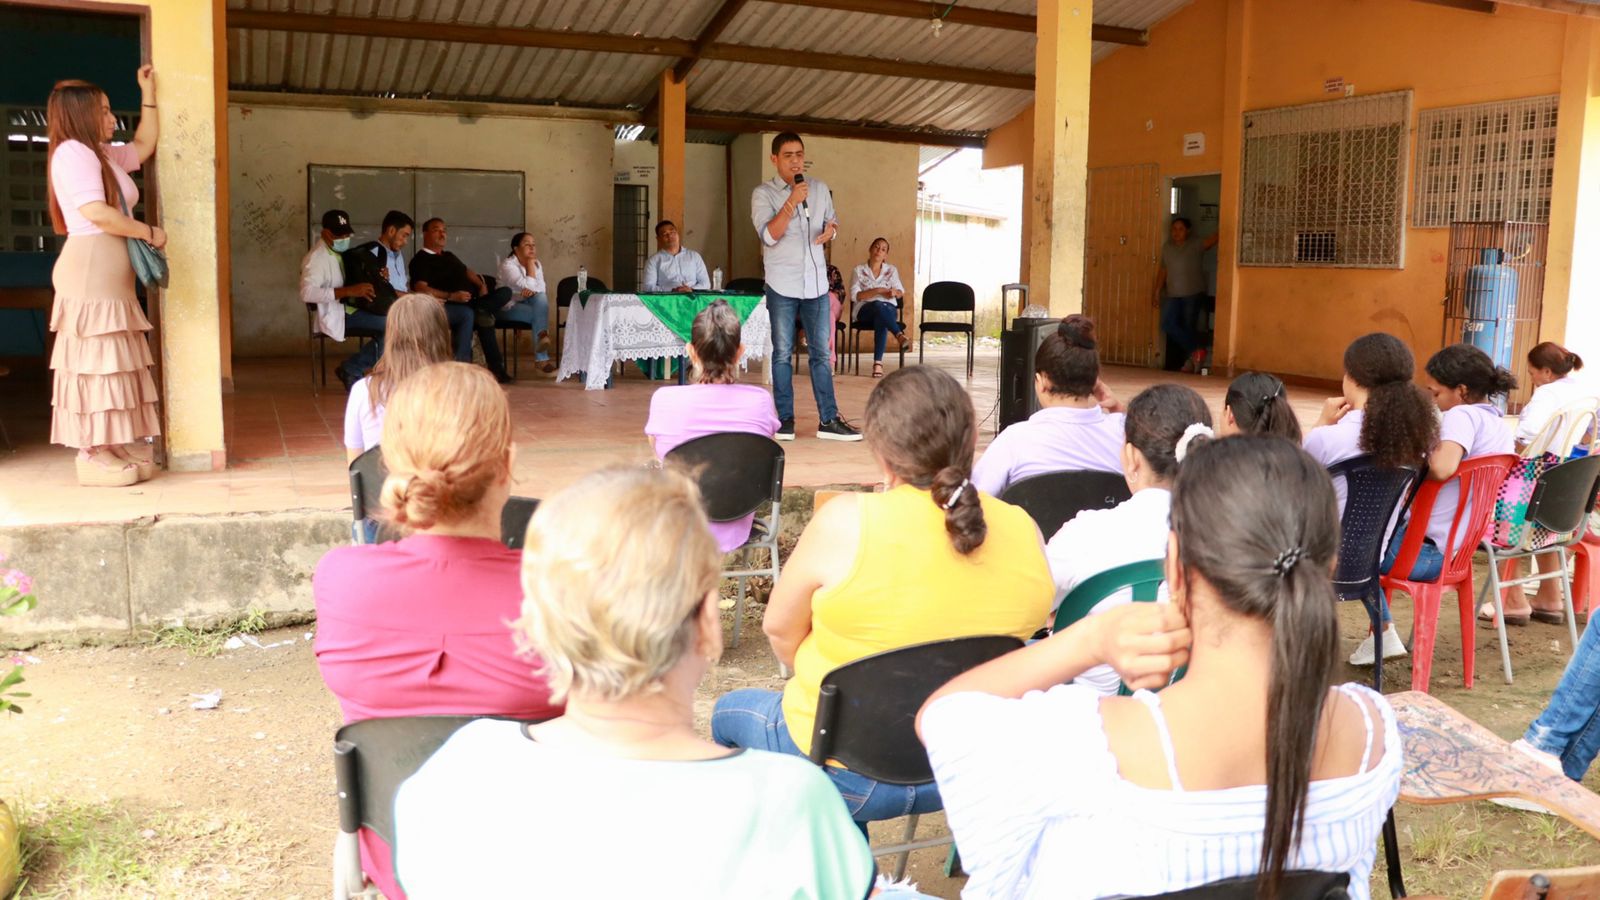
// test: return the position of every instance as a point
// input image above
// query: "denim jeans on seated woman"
(1569, 727)
(753, 718)
(1429, 564)
(882, 317)
(532, 311)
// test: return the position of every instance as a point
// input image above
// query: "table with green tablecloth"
(603, 328)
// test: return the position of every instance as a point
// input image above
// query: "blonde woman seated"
(932, 557)
(417, 336)
(620, 797)
(417, 627)
(1251, 765)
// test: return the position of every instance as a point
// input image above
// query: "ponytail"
(963, 511)
(1260, 404)
(1068, 359)
(1398, 426)
(1164, 423)
(1465, 366)
(921, 424)
(1554, 357)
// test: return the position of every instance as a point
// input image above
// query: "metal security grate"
(1487, 161)
(1122, 239)
(1324, 184)
(24, 188)
(631, 242)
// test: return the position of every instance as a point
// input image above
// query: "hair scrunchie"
(1189, 434)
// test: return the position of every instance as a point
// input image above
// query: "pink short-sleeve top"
(75, 178)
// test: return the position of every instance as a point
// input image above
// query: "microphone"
(805, 209)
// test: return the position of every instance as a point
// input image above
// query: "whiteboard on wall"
(482, 209)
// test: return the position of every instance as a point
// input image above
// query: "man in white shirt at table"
(676, 267)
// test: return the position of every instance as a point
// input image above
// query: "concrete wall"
(705, 224)
(567, 167)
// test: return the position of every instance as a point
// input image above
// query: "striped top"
(1035, 801)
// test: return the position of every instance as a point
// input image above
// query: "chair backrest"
(867, 709)
(746, 286)
(1549, 884)
(737, 472)
(1296, 886)
(1144, 577)
(1372, 494)
(1564, 495)
(1052, 499)
(948, 296)
(514, 520)
(367, 473)
(1566, 429)
(567, 289)
(372, 758)
(1480, 478)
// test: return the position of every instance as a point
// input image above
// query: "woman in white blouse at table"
(874, 288)
(522, 272)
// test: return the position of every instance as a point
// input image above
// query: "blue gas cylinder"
(1491, 308)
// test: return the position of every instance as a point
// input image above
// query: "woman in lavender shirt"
(714, 404)
(1079, 426)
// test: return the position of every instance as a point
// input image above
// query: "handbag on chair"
(149, 264)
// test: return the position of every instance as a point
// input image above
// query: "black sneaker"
(785, 430)
(345, 378)
(837, 430)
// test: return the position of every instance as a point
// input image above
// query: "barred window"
(1324, 183)
(1485, 162)
(25, 191)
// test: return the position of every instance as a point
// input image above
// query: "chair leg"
(1493, 589)
(1425, 603)
(1467, 610)
(1391, 857)
(922, 342)
(738, 612)
(1585, 588)
(1566, 597)
(904, 855)
(1375, 607)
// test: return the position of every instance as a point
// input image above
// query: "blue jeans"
(753, 718)
(813, 313)
(882, 318)
(1178, 316)
(1569, 727)
(1429, 564)
(531, 311)
(462, 321)
(357, 366)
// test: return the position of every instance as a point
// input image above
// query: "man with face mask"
(322, 285)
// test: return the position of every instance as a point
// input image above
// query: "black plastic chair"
(514, 520)
(366, 486)
(371, 759)
(1562, 499)
(949, 296)
(1052, 499)
(319, 344)
(566, 292)
(1295, 886)
(848, 327)
(1372, 494)
(867, 710)
(738, 474)
(745, 286)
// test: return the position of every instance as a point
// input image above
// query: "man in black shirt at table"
(468, 302)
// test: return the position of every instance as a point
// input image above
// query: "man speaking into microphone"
(794, 217)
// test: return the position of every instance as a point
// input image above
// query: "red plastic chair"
(1585, 577)
(1480, 478)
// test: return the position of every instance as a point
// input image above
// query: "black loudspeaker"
(1017, 349)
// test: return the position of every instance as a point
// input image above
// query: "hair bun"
(1078, 331)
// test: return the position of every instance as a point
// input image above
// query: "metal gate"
(1494, 293)
(631, 244)
(1122, 236)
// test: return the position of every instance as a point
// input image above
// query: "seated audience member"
(932, 557)
(417, 627)
(621, 580)
(419, 336)
(1258, 403)
(1555, 387)
(1566, 735)
(393, 238)
(1072, 431)
(441, 275)
(322, 285)
(1053, 790)
(1163, 423)
(715, 403)
(674, 267)
(523, 274)
(874, 288)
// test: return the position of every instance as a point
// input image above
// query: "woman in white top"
(1052, 790)
(417, 335)
(620, 576)
(1162, 423)
(522, 272)
(874, 289)
(1550, 368)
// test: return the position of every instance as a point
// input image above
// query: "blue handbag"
(149, 263)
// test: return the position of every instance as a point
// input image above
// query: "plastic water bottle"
(716, 279)
(583, 279)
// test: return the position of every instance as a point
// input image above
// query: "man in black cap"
(322, 285)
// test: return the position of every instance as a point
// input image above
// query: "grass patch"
(207, 640)
(108, 849)
(1452, 843)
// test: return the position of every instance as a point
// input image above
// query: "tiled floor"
(285, 449)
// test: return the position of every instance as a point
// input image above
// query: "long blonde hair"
(446, 441)
(73, 114)
(416, 336)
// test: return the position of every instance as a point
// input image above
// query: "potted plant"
(16, 598)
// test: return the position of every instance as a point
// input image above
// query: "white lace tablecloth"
(611, 328)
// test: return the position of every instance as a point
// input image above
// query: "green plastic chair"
(1144, 577)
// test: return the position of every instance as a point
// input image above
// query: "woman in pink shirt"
(715, 403)
(418, 627)
(104, 402)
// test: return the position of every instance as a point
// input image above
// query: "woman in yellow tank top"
(929, 558)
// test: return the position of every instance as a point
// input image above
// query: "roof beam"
(1478, 6)
(612, 43)
(720, 20)
(1570, 7)
(966, 15)
(714, 121)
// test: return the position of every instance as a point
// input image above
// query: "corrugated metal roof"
(316, 63)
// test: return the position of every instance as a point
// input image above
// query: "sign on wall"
(1194, 143)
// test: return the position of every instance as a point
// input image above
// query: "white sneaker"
(1393, 648)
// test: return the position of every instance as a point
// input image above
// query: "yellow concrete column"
(1058, 182)
(671, 101)
(1235, 77)
(1571, 313)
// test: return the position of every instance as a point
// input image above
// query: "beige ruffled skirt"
(104, 393)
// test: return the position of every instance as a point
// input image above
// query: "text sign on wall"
(1194, 143)
(1333, 85)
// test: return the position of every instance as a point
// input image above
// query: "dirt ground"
(131, 793)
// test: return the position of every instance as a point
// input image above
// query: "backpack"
(364, 266)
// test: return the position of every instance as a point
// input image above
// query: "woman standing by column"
(104, 401)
